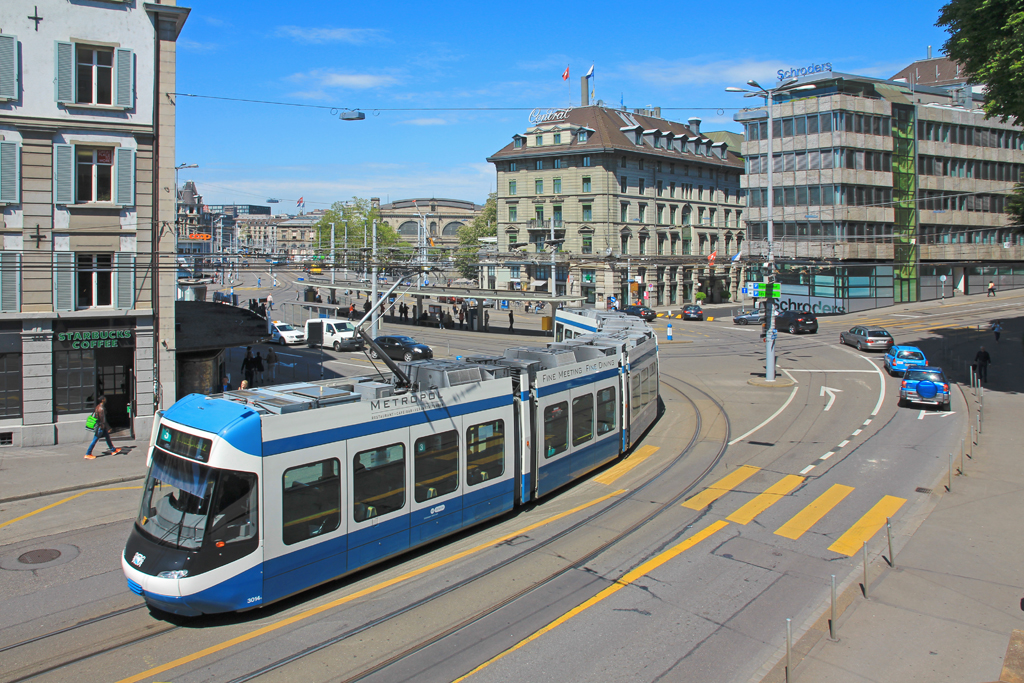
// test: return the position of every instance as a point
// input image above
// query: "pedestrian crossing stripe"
(867, 526)
(771, 496)
(637, 457)
(721, 487)
(802, 521)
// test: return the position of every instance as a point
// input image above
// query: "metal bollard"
(866, 596)
(961, 455)
(670, 331)
(789, 649)
(971, 454)
(888, 532)
(832, 628)
(949, 486)
(979, 426)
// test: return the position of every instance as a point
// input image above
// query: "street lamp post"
(769, 94)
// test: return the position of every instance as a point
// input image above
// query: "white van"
(339, 334)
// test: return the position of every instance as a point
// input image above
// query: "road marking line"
(857, 431)
(620, 583)
(827, 455)
(66, 500)
(867, 422)
(809, 370)
(637, 457)
(807, 469)
(720, 487)
(867, 526)
(772, 495)
(369, 590)
(843, 443)
(791, 377)
(812, 514)
(774, 415)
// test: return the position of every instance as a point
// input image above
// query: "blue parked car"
(899, 359)
(925, 385)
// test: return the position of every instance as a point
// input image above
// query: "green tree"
(467, 255)
(358, 214)
(986, 37)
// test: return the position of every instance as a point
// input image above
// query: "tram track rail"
(67, 629)
(535, 585)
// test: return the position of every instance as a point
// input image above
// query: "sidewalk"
(947, 611)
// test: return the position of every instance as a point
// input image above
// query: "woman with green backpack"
(98, 423)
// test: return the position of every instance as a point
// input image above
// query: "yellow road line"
(637, 457)
(812, 514)
(867, 526)
(620, 583)
(270, 628)
(61, 502)
(772, 495)
(720, 487)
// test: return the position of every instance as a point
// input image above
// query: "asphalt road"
(681, 564)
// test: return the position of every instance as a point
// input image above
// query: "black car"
(693, 312)
(796, 321)
(401, 347)
(647, 314)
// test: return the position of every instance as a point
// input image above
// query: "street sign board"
(773, 333)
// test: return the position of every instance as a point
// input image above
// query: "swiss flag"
(565, 74)
(711, 258)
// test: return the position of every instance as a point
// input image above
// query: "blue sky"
(412, 66)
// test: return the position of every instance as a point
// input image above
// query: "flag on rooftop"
(301, 202)
(565, 74)
(590, 74)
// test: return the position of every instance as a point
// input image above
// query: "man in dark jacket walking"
(982, 360)
(511, 320)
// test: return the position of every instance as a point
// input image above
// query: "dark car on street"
(749, 316)
(796, 321)
(647, 314)
(401, 347)
(693, 312)
(867, 338)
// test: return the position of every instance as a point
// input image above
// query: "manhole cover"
(921, 489)
(39, 556)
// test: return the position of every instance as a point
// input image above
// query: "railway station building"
(882, 187)
(87, 216)
(641, 202)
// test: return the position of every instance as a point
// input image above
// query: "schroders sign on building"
(808, 70)
(547, 115)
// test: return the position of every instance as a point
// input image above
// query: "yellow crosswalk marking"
(867, 526)
(772, 495)
(720, 487)
(812, 514)
(637, 457)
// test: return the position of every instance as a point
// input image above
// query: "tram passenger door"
(490, 473)
(437, 459)
(379, 469)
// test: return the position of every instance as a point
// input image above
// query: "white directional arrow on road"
(925, 413)
(831, 396)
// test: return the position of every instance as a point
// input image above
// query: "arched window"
(408, 228)
(452, 229)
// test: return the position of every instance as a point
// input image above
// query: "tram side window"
(634, 393)
(556, 429)
(582, 419)
(311, 500)
(436, 465)
(235, 508)
(378, 481)
(645, 386)
(606, 411)
(485, 452)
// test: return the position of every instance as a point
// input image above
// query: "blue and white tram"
(255, 495)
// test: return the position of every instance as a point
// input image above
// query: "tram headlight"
(173, 574)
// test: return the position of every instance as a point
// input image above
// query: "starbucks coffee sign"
(97, 339)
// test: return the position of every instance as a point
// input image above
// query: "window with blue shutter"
(10, 282)
(64, 79)
(124, 78)
(8, 67)
(63, 281)
(124, 176)
(124, 283)
(63, 174)
(10, 173)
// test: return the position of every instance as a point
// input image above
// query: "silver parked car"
(867, 338)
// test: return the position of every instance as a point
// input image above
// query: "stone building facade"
(641, 203)
(442, 218)
(87, 194)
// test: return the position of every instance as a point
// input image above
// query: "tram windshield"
(186, 503)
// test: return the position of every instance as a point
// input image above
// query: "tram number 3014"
(254, 599)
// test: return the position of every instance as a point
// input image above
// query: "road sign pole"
(769, 309)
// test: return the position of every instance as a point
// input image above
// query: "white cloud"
(354, 36)
(196, 46)
(699, 71)
(325, 78)
(425, 122)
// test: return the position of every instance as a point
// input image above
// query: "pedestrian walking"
(366, 305)
(270, 302)
(991, 289)
(100, 428)
(982, 360)
(272, 364)
(511, 320)
(258, 367)
(248, 366)
(996, 330)
(259, 282)
(487, 321)
(462, 319)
